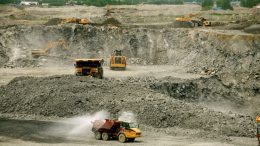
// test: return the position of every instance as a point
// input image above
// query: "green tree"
(249, 3)
(207, 4)
(7, 1)
(166, 2)
(224, 4)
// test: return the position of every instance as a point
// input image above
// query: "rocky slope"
(189, 47)
(67, 96)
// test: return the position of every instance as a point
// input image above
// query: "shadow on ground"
(31, 130)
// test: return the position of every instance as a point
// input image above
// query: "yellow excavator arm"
(50, 45)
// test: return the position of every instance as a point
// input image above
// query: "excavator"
(108, 11)
(117, 61)
(45, 51)
(82, 21)
(192, 20)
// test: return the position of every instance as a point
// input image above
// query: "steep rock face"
(3, 57)
(234, 55)
(5, 36)
(186, 47)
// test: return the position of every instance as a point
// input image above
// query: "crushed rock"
(68, 95)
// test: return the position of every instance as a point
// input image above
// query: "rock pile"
(67, 96)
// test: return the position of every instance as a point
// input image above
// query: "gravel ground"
(41, 132)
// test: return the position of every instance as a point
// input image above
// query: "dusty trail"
(158, 71)
(41, 133)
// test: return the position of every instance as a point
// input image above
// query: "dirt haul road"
(35, 132)
(7, 74)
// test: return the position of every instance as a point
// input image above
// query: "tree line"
(226, 4)
(97, 2)
(249, 3)
(206, 4)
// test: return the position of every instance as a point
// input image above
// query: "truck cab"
(130, 131)
(117, 61)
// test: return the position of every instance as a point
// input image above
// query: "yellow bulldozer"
(45, 51)
(117, 61)
(89, 67)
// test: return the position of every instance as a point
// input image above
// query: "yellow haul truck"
(109, 129)
(117, 61)
(258, 129)
(89, 67)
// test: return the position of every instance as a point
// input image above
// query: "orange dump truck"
(258, 129)
(109, 129)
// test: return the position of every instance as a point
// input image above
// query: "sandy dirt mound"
(67, 96)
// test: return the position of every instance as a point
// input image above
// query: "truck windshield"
(129, 125)
(133, 125)
(88, 64)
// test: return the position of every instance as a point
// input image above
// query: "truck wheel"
(100, 73)
(131, 139)
(122, 138)
(105, 136)
(98, 135)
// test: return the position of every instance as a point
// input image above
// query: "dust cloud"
(84, 123)
(77, 126)
(80, 126)
(127, 116)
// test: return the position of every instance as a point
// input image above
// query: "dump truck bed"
(106, 125)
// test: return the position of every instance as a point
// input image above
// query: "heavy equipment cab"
(89, 67)
(129, 125)
(117, 61)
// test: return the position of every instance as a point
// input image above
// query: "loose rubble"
(68, 95)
